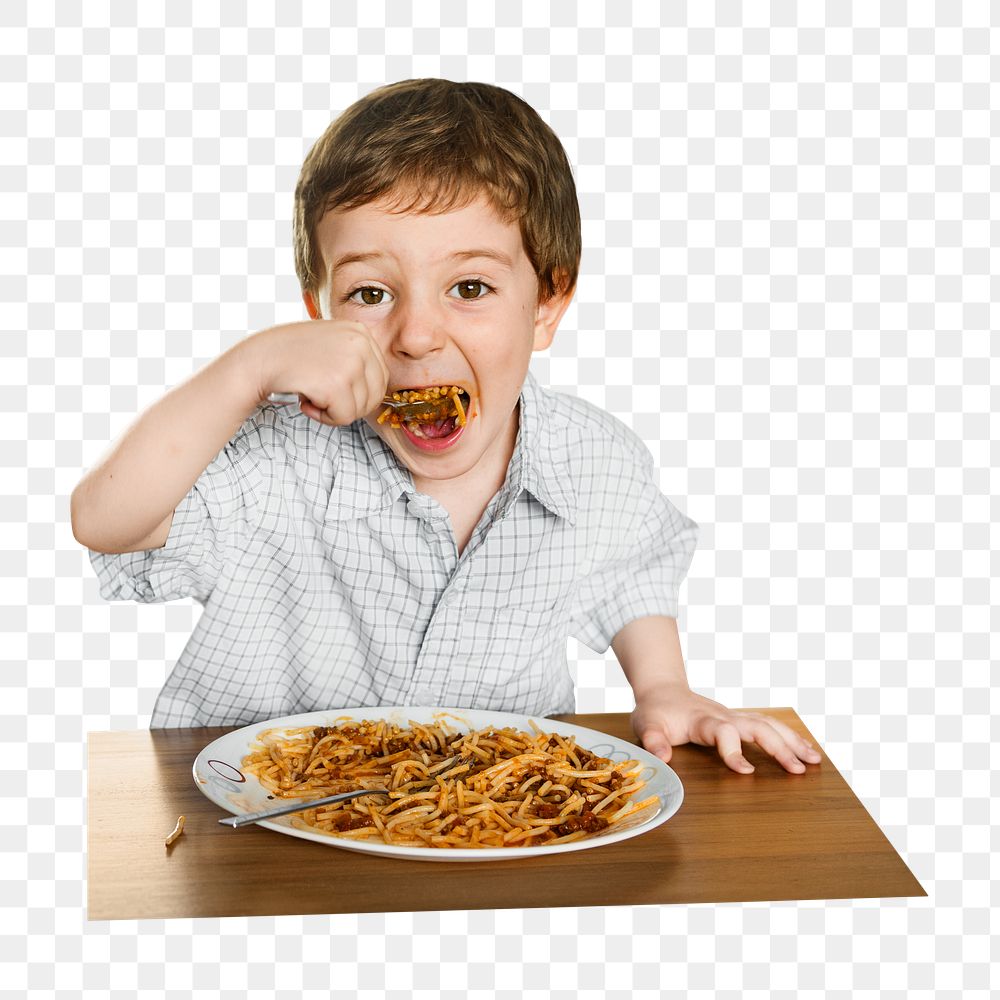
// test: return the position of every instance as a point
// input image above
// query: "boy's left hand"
(674, 714)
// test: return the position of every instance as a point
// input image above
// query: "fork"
(256, 817)
(437, 407)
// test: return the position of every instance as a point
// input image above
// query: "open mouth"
(430, 413)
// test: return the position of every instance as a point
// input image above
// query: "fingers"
(312, 411)
(772, 742)
(336, 367)
(371, 388)
(775, 738)
(659, 746)
(727, 742)
(366, 376)
(656, 740)
(674, 718)
(361, 390)
(382, 368)
(804, 750)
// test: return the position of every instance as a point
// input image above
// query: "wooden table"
(766, 836)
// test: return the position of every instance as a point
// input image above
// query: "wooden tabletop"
(765, 836)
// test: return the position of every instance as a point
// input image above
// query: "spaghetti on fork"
(489, 788)
(442, 402)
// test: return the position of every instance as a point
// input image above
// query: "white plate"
(217, 772)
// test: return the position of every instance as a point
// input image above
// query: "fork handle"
(247, 818)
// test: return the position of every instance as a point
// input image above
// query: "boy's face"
(452, 300)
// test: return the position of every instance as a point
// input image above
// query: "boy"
(347, 554)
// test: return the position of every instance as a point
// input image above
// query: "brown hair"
(433, 145)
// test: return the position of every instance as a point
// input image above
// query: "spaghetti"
(435, 787)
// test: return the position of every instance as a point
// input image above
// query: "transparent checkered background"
(787, 290)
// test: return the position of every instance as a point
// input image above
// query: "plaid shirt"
(329, 582)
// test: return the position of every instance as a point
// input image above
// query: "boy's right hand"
(335, 366)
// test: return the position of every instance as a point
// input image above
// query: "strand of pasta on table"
(494, 787)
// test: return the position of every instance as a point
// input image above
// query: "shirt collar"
(539, 464)
(370, 478)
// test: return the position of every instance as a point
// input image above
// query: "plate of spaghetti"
(447, 784)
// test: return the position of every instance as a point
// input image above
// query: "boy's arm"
(668, 713)
(126, 502)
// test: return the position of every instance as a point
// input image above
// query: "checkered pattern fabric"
(788, 291)
(329, 582)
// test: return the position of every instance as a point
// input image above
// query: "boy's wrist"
(649, 652)
(660, 688)
(250, 355)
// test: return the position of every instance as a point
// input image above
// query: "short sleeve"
(207, 527)
(646, 551)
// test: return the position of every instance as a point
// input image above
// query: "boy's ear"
(548, 315)
(310, 300)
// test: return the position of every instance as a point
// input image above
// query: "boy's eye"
(370, 296)
(471, 289)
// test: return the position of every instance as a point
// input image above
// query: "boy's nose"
(416, 332)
